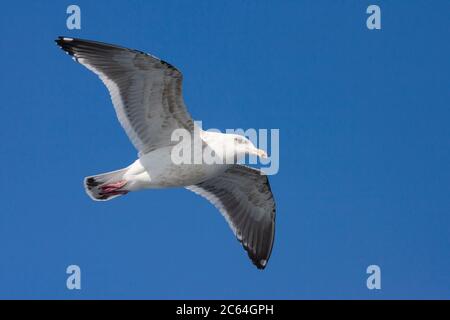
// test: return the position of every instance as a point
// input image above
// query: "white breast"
(164, 173)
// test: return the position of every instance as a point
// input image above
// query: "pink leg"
(114, 188)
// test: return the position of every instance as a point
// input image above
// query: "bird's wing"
(146, 91)
(244, 198)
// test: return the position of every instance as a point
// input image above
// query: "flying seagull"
(147, 96)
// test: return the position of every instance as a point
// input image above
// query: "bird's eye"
(238, 140)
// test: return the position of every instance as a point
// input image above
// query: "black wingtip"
(65, 44)
(259, 263)
(259, 266)
(76, 47)
(61, 40)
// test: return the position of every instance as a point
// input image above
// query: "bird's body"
(155, 170)
(175, 175)
(146, 94)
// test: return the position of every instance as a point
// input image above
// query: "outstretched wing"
(244, 198)
(146, 91)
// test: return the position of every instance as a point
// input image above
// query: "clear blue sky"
(364, 170)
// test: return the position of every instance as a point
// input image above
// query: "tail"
(106, 186)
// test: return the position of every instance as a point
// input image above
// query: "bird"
(146, 93)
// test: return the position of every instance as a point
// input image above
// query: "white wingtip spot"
(263, 262)
(68, 39)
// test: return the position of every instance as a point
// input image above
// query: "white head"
(231, 147)
(244, 146)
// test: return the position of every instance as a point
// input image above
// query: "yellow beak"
(261, 153)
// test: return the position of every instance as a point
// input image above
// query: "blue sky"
(364, 150)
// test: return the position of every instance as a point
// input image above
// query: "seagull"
(147, 96)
